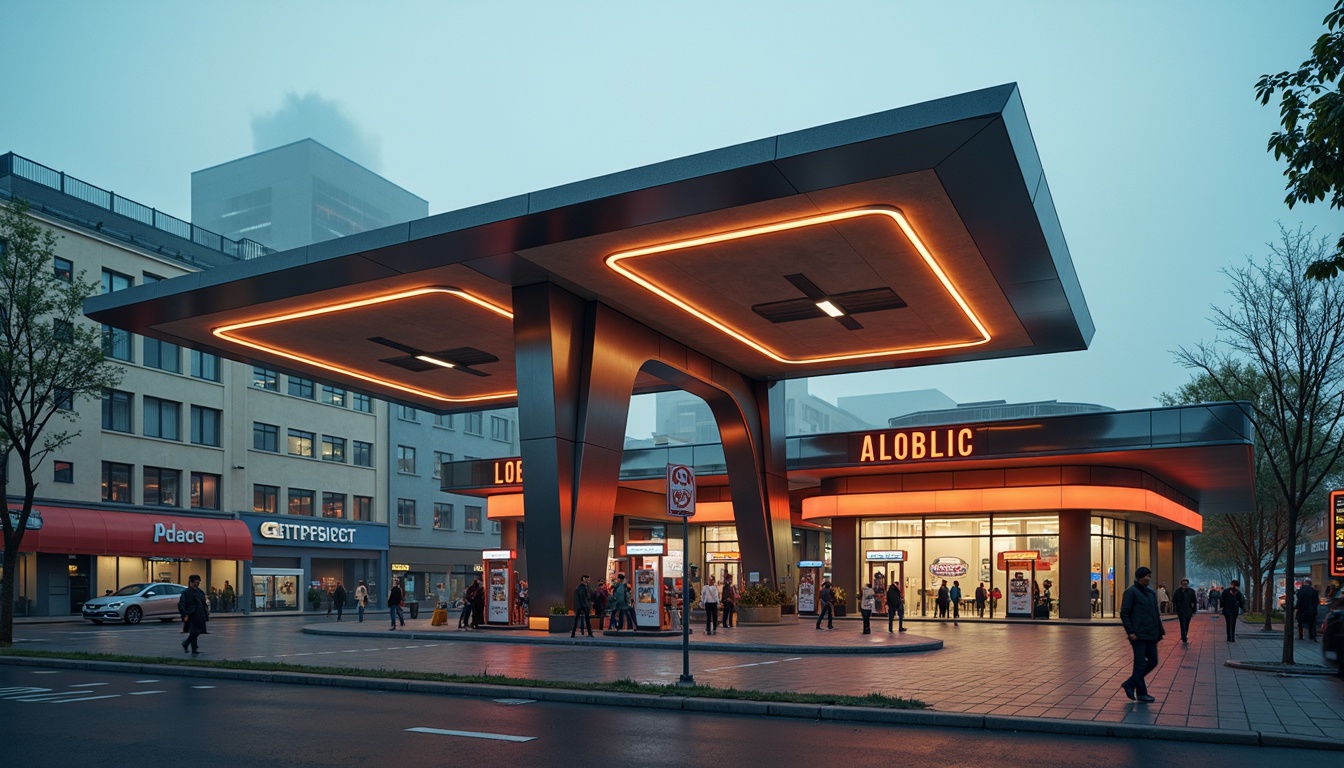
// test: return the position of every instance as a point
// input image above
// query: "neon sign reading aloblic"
(917, 445)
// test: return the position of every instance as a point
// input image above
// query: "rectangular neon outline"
(224, 331)
(613, 263)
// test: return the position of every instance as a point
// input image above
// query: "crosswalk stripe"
(472, 734)
(85, 698)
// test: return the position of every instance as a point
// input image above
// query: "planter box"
(840, 610)
(758, 614)
(560, 624)
(788, 609)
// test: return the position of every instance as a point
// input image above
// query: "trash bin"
(414, 608)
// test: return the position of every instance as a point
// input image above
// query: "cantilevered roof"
(917, 236)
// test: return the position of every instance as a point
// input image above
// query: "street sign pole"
(681, 502)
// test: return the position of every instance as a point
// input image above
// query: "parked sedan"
(1332, 635)
(134, 602)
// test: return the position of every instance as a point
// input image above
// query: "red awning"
(67, 530)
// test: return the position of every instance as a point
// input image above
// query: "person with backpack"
(954, 595)
(827, 606)
(620, 604)
(1231, 604)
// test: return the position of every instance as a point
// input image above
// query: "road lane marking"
(753, 664)
(45, 696)
(86, 685)
(86, 698)
(144, 693)
(47, 672)
(146, 681)
(515, 702)
(20, 691)
(472, 734)
(202, 687)
(352, 650)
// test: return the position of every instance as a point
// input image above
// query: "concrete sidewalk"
(1024, 670)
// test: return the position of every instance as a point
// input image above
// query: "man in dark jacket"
(583, 605)
(1231, 604)
(338, 597)
(1186, 603)
(1143, 627)
(827, 606)
(895, 606)
(1308, 603)
(194, 611)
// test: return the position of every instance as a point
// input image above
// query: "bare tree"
(1289, 330)
(50, 357)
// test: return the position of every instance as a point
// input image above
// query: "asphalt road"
(55, 718)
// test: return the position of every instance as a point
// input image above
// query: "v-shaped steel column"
(577, 362)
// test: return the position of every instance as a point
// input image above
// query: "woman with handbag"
(361, 598)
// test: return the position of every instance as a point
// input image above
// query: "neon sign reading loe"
(917, 445)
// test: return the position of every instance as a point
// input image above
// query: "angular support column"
(577, 365)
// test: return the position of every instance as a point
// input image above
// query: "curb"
(1296, 669)
(818, 712)
(655, 645)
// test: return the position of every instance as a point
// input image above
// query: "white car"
(134, 602)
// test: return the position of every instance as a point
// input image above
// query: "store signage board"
(648, 599)
(1337, 533)
(497, 554)
(400, 567)
(644, 549)
(1019, 596)
(680, 490)
(723, 557)
(811, 563)
(882, 556)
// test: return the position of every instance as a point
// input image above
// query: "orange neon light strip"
(614, 263)
(1017, 499)
(228, 333)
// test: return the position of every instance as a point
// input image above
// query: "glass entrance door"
(275, 589)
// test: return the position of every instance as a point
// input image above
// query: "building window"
(204, 491)
(363, 508)
(333, 448)
(162, 355)
(163, 418)
(204, 365)
(440, 459)
(363, 454)
(265, 437)
(474, 426)
(407, 413)
(443, 516)
(117, 410)
(406, 459)
(265, 378)
(149, 278)
(501, 429)
(117, 343)
(161, 487)
(63, 269)
(204, 426)
(63, 472)
(300, 443)
(63, 398)
(333, 505)
(264, 498)
(444, 420)
(406, 512)
(301, 387)
(472, 519)
(301, 502)
(116, 482)
(115, 281)
(333, 396)
(494, 527)
(361, 402)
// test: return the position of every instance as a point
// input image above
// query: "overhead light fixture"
(434, 361)
(829, 308)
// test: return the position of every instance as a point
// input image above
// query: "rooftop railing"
(22, 167)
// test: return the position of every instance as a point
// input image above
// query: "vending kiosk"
(645, 559)
(500, 584)
(880, 564)
(809, 586)
(1017, 563)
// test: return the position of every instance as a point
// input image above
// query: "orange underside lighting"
(614, 263)
(504, 506)
(230, 333)
(983, 500)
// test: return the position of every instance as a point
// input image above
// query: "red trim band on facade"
(67, 530)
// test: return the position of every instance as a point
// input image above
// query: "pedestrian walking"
(827, 606)
(866, 604)
(709, 597)
(895, 607)
(1308, 603)
(620, 603)
(728, 594)
(194, 608)
(1231, 604)
(1202, 595)
(944, 600)
(1143, 628)
(361, 599)
(339, 597)
(394, 599)
(981, 597)
(1163, 599)
(468, 597)
(1186, 604)
(1215, 599)
(955, 596)
(583, 605)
